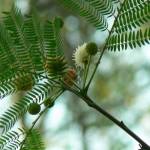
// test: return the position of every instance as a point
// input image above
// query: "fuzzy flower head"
(81, 56)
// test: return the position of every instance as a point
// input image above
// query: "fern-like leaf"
(13, 145)
(90, 11)
(6, 89)
(38, 93)
(103, 7)
(55, 61)
(135, 13)
(34, 141)
(9, 62)
(33, 34)
(51, 49)
(26, 46)
(13, 22)
(9, 118)
(10, 138)
(131, 39)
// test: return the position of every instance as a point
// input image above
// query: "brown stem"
(117, 122)
(120, 124)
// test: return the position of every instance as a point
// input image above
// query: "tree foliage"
(32, 59)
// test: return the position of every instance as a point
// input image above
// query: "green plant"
(31, 48)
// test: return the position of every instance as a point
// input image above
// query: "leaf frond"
(92, 11)
(9, 139)
(131, 39)
(39, 93)
(9, 118)
(103, 7)
(135, 13)
(34, 141)
(13, 22)
(34, 34)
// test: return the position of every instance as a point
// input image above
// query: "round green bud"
(59, 22)
(91, 48)
(49, 103)
(34, 108)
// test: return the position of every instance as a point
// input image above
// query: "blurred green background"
(121, 86)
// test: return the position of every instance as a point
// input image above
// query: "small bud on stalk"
(49, 103)
(34, 108)
(91, 48)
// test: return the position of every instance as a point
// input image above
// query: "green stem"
(76, 85)
(55, 96)
(105, 46)
(85, 68)
(33, 124)
(40, 114)
(120, 124)
(86, 72)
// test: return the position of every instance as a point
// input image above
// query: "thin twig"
(86, 71)
(33, 124)
(105, 47)
(59, 92)
(120, 124)
(40, 114)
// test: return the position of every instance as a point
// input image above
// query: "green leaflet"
(34, 141)
(33, 33)
(10, 141)
(50, 43)
(9, 118)
(131, 39)
(134, 14)
(8, 58)
(6, 89)
(26, 45)
(13, 22)
(127, 31)
(39, 93)
(93, 11)
(14, 145)
(103, 7)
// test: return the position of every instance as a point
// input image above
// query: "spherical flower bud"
(34, 108)
(49, 103)
(91, 48)
(81, 56)
(70, 76)
(59, 22)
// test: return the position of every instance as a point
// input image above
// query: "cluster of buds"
(57, 66)
(82, 53)
(34, 108)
